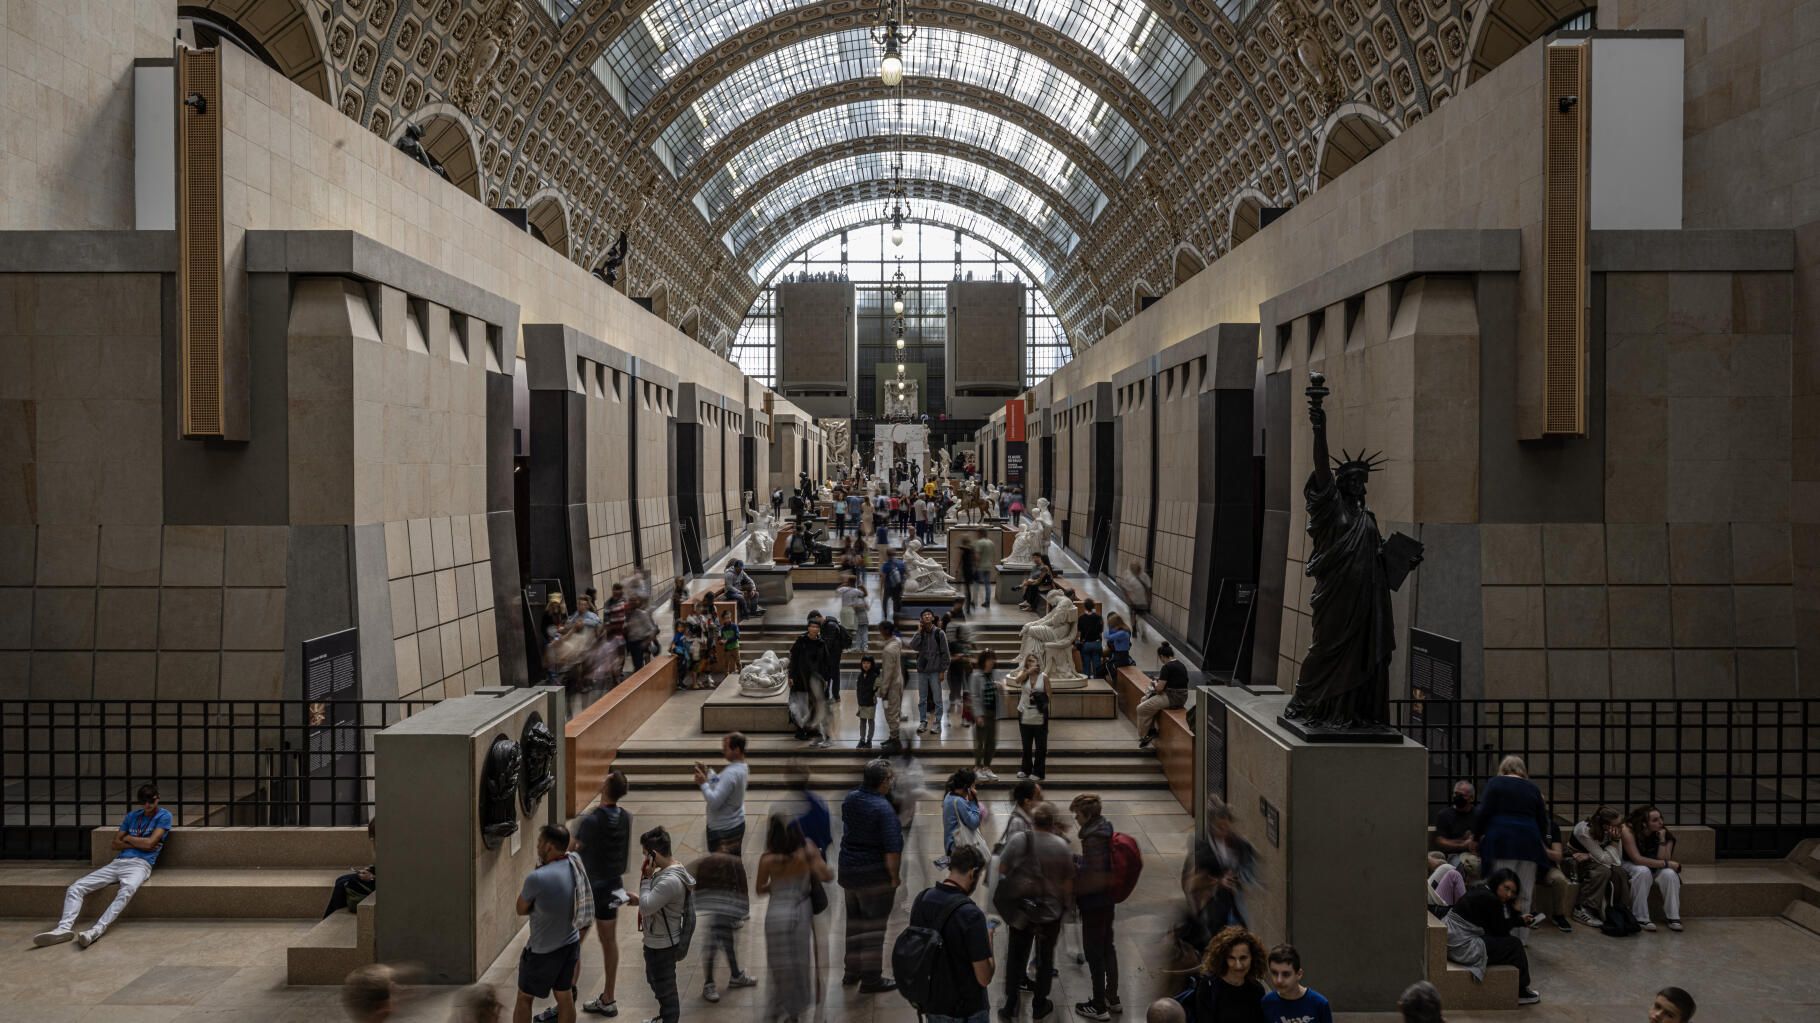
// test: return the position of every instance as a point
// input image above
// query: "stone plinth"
(1337, 827)
(449, 899)
(1010, 586)
(774, 582)
(726, 710)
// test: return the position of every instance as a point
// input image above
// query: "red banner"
(1014, 420)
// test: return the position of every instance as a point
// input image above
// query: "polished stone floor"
(1757, 970)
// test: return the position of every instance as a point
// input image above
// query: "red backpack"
(1127, 864)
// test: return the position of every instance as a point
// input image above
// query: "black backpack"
(1619, 923)
(917, 955)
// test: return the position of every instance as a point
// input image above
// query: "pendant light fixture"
(891, 39)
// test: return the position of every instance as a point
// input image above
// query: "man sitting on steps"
(139, 841)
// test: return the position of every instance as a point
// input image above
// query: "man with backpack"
(666, 913)
(1107, 872)
(1035, 889)
(943, 959)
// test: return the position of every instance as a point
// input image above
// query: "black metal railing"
(1750, 769)
(68, 766)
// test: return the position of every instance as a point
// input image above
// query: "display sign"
(1014, 421)
(1016, 452)
(331, 687)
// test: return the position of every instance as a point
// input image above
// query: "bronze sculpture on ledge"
(1344, 692)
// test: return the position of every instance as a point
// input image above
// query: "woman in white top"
(1032, 716)
(852, 597)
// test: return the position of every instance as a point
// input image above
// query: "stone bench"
(593, 736)
(264, 848)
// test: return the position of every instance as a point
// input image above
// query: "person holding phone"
(663, 898)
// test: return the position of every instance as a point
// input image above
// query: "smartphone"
(617, 899)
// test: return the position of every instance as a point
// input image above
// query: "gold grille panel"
(1564, 277)
(199, 241)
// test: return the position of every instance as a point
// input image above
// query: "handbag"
(818, 896)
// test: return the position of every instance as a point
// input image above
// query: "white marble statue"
(1032, 536)
(767, 676)
(1051, 638)
(761, 538)
(923, 577)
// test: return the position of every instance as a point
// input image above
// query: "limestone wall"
(652, 434)
(1178, 476)
(610, 394)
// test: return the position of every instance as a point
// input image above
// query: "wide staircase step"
(35, 889)
(1459, 991)
(837, 767)
(334, 948)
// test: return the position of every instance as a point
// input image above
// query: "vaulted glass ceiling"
(880, 118)
(916, 167)
(671, 34)
(937, 53)
(921, 211)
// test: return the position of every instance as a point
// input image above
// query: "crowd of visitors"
(1502, 866)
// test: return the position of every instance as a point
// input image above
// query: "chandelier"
(891, 38)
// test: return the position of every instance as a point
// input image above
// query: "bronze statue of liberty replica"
(1344, 692)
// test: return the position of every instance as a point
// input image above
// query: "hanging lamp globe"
(891, 67)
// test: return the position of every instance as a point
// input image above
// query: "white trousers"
(129, 872)
(1667, 880)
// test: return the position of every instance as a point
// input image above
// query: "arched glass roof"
(936, 53)
(916, 167)
(1127, 34)
(868, 119)
(922, 211)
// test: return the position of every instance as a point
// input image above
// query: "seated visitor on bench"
(139, 841)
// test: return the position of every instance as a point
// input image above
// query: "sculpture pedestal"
(774, 586)
(1337, 826)
(448, 904)
(1010, 586)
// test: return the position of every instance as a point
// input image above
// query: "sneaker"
(1648, 925)
(1586, 917)
(1021, 774)
(546, 1016)
(56, 937)
(1562, 925)
(1041, 1010)
(709, 992)
(1088, 1010)
(743, 980)
(1675, 925)
(985, 774)
(1145, 742)
(1114, 1006)
(922, 728)
(849, 979)
(600, 1007)
(90, 936)
(1528, 996)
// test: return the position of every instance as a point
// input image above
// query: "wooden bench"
(593, 736)
(1174, 736)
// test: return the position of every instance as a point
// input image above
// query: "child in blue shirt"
(1290, 1001)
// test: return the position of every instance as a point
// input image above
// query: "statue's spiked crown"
(1361, 462)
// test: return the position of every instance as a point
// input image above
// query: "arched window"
(549, 221)
(285, 35)
(1505, 27)
(1354, 132)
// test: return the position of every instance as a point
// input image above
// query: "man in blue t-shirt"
(871, 852)
(1289, 1000)
(139, 840)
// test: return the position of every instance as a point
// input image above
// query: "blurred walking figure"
(788, 871)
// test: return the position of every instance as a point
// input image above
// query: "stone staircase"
(668, 767)
(334, 948)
